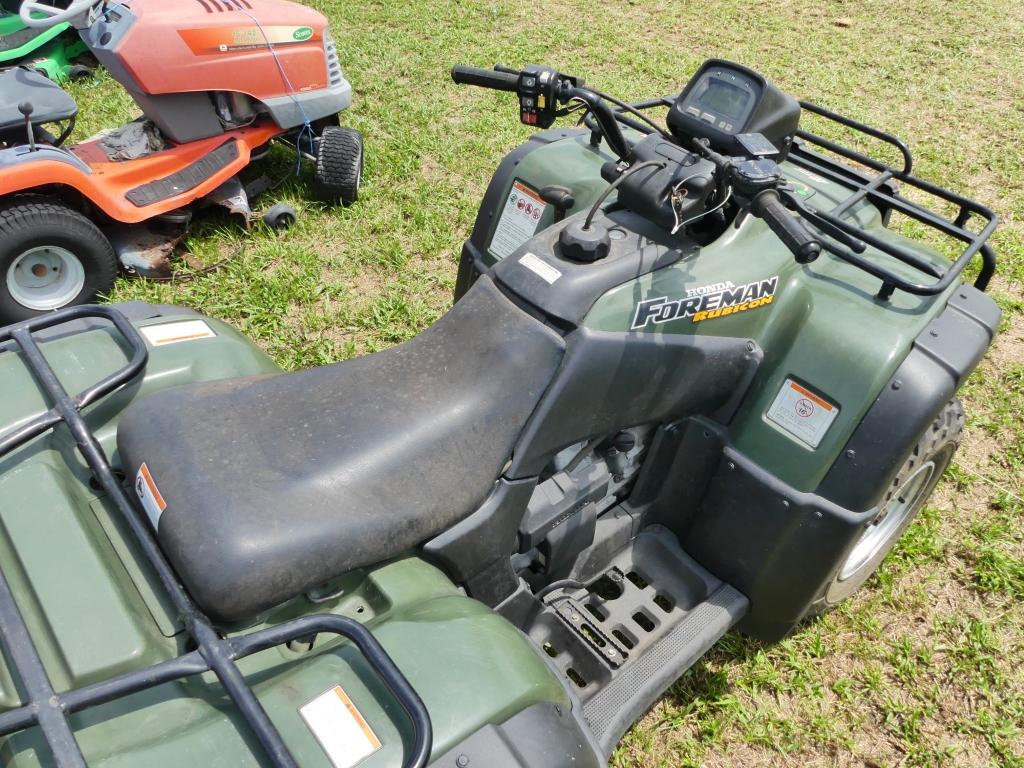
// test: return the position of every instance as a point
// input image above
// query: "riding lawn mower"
(217, 83)
(695, 380)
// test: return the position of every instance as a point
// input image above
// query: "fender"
(717, 490)
(940, 360)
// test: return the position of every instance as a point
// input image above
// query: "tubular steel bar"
(880, 190)
(214, 653)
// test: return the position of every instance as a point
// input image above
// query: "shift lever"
(26, 109)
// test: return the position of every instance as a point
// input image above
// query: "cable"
(306, 125)
(634, 111)
(626, 174)
(679, 225)
(675, 191)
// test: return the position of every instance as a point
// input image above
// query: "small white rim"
(46, 277)
(889, 521)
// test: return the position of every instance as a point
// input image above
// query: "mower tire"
(51, 257)
(280, 217)
(906, 496)
(339, 165)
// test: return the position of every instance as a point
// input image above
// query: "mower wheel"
(339, 165)
(280, 217)
(51, 256)
(906, 496)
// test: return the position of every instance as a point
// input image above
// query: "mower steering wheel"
(51, 15)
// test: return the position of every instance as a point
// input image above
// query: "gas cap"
(584, 244)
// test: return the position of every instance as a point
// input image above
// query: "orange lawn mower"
(217, 81)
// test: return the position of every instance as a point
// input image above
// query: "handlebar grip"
(804, 246)
(486, 78)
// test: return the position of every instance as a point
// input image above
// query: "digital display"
(723, 99)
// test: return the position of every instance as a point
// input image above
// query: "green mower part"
(51, 51)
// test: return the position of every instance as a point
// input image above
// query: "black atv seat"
(50, 103)
(276, 484)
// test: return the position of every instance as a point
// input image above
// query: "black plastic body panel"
(476, 551)
(541, 736)
(776, 545)
(611, 381)
(643, 248)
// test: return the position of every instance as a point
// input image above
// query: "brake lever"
(810, 215)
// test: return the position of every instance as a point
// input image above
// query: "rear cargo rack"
(213, 652)
(848, 241)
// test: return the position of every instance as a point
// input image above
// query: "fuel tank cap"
(582, 243)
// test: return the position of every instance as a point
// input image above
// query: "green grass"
(925, 666)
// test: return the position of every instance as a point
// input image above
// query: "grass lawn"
(926, 665)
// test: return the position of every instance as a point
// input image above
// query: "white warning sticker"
(541, 268)
(340, 728)
(152, 501)
(519, 220)
(803, 414)
(172, 333)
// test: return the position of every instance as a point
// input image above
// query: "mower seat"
(276, 484)
(50, 103)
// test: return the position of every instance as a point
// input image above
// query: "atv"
(55, 52)
(231, 78)
(694, 380)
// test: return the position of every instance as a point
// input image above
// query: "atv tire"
(51, 257)
(906, 496)
(339, 165)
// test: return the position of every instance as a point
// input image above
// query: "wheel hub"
(46, 277)
(888, 522)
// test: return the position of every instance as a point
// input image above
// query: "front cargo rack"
(846, 240)
(48, 709)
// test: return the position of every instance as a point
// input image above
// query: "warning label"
(172, 333)
(519, 220)
(152, 501)
(803, 414)
(340, 728)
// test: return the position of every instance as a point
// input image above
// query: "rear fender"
(84, 351)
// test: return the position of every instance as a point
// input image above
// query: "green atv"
(56, 52)
(692, 381)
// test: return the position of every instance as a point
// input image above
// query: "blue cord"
(307, 128)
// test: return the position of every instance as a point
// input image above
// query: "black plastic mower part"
(189, 177)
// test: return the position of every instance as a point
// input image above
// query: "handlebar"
(541, 90)
(486, 78)
(792, 232)
(755, 182)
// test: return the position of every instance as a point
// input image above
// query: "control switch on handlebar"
(539, 89)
